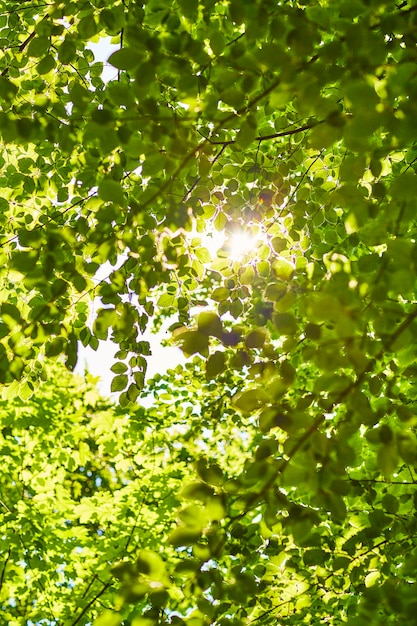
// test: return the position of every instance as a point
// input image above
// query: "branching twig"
(89, 586)
(320, 419)
(21, 48)
(26, 42)
(3, 571)
(383, 482)
(52, 217)
(284, 133)
(274, 608)
(90, 604)
(197, 180)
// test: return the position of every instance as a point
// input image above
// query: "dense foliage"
(273, 480)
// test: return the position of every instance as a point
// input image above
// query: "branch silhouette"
(284, 133)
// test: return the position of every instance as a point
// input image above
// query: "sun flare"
(237, 242)
(240, 244)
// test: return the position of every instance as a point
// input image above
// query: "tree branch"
(4, 568)
(284, 133)
(321, 418)
(27, 41)
(21, 48)
(188, 157)
(90, 604)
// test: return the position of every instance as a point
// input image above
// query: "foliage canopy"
(273, 480)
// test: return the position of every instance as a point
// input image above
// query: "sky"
(162, 358)
(100, 361)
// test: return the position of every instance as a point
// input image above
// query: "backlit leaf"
(250, 400)
(111, 191)
(119, 382)
(125, 59)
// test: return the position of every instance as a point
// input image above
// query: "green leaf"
(8, 90)
(246, 134)
(273, 418)
(189, 8)
(11, 312)
(119, 383)
(341, 563)
(193, 342)
(203, 254)
(250, 400)
(55, 347)
(371, 578)
(285, 323)
(38, 46)
(211, 473)
(119, 368)
(67, 50)
(197, 491)
(184, 536)
(390, 503)
(255, 339)
(111, 191)
(151, 564)
(125, 59)
(235, 98)
(209, 323)
(247, 276)
(278, 244)
(217, 42)
(87, 27)
(71, 352)
(167, 300)
(25, 391)
(216, 364)
(315, 557)
(46, 64)
(220, 294)
(108, 618)
(388, 460)
(324, 136)
(283, 269)
(220, 221)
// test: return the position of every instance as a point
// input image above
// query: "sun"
(240, 244)
(236, 245)
(237, 242)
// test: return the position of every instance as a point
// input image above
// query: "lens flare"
(240, 244)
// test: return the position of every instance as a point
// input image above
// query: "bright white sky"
(102, 50)
(163, 357)
(99, 362)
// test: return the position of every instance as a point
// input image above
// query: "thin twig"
(27, 41)
(21, 48)
(3, 572)
(90, 604)
(197, 180)
(321, 418)
(52, 217)
(285, 133)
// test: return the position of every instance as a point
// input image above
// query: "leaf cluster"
(273, 478)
